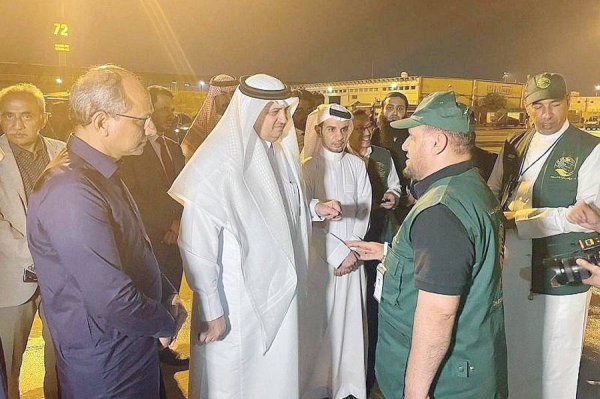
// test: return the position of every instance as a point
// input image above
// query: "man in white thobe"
(244, 244)
(335, 365)
(538, 177)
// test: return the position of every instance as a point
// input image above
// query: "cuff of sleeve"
(210, 307)
(313, 212)
(438, 288)
(396, 193)
(168, 330)
(338, 255)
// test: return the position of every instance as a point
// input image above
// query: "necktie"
(166, 160)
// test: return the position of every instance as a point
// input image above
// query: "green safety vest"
(475, 365)
(555, 186)
(383, 222)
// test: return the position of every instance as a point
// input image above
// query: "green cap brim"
(405, 123)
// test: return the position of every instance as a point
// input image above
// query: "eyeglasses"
(146, 120)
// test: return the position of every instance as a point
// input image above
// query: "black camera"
(566, 271)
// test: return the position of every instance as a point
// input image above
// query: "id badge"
(379, 282)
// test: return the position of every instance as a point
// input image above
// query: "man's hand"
(594, 279)
(170, 237)
(389, 201)
(510, 220)
(211, 331)
(367, 250)
(330, 210)
(585, 215)
(348, 265)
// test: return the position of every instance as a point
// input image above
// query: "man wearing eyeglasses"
(105, 300)
(149, 177)
(24, 154)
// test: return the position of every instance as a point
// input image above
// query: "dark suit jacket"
(145, 178)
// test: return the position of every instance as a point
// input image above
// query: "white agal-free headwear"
(230, 179)
(312, 141)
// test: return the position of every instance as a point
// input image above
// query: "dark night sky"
(314, 40)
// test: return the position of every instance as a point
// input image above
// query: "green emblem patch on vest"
(565, 166)
(543, 82)
(381, 169)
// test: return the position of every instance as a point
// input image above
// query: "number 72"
(61, 29)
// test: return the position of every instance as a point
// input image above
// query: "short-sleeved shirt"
(444, 253)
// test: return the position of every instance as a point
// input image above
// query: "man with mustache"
(244, 244)
(441, 329)
(539, 175)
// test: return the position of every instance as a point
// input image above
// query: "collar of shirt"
(331, 156)
(564, 127)
(99, 161)
(422, 186)
(19, 152)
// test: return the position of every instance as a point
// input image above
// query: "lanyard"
(522, 172)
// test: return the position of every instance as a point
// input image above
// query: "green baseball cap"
(439, 110)
(545, 86)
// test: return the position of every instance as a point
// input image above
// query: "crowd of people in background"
(332, 253)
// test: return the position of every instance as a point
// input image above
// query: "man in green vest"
(539, 175)
(441, 326)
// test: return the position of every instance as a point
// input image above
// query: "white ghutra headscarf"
(207, 117)
(230, 179)
(312, 141)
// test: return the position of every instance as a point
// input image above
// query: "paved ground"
(177, 381)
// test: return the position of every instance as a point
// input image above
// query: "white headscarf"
(312, 141)
(230, 179)
(207, 117)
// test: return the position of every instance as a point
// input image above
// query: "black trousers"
(372, 321)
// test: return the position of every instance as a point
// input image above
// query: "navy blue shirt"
(100, 283)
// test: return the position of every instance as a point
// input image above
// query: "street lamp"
(59, 81)
(202, 83)
(597, 89)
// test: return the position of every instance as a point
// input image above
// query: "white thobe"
(235, 366)
(333, 357)
(544, 335)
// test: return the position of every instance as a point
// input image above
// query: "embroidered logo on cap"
(543, 82)
(565, 166)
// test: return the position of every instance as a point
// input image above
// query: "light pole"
(597, 89)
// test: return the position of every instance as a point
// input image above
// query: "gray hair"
(461, 143)
(26, 88)
(99, 89)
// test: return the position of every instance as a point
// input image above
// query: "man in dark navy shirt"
(100, 282)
